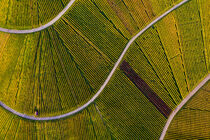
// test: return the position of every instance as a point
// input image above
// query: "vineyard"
(25, 14)
(62, 67)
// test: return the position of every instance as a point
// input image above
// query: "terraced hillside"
(60, 68)
(192, 121)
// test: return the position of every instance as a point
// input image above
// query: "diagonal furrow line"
(65, 72)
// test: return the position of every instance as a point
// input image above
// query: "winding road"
(79, 109)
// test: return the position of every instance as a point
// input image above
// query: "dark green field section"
(193, 120)
(27, 14)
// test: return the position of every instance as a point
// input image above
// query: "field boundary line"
(79, 109)
(186, 99)
(14, 31)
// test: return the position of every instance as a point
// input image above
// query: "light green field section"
(204, 6)
(191, 40)
(181, 35)
(193, 120)
(27, 14)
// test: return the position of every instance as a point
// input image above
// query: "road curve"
(189, 96)
(79, 109)
(13, 31)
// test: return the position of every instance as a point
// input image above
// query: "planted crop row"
(192, 42)
(204, 12)
(153, 50)
(170, 38)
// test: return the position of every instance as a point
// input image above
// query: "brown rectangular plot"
(145, 89)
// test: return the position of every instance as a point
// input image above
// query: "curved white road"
(189, 96)
(13, 31)
(106, 81)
